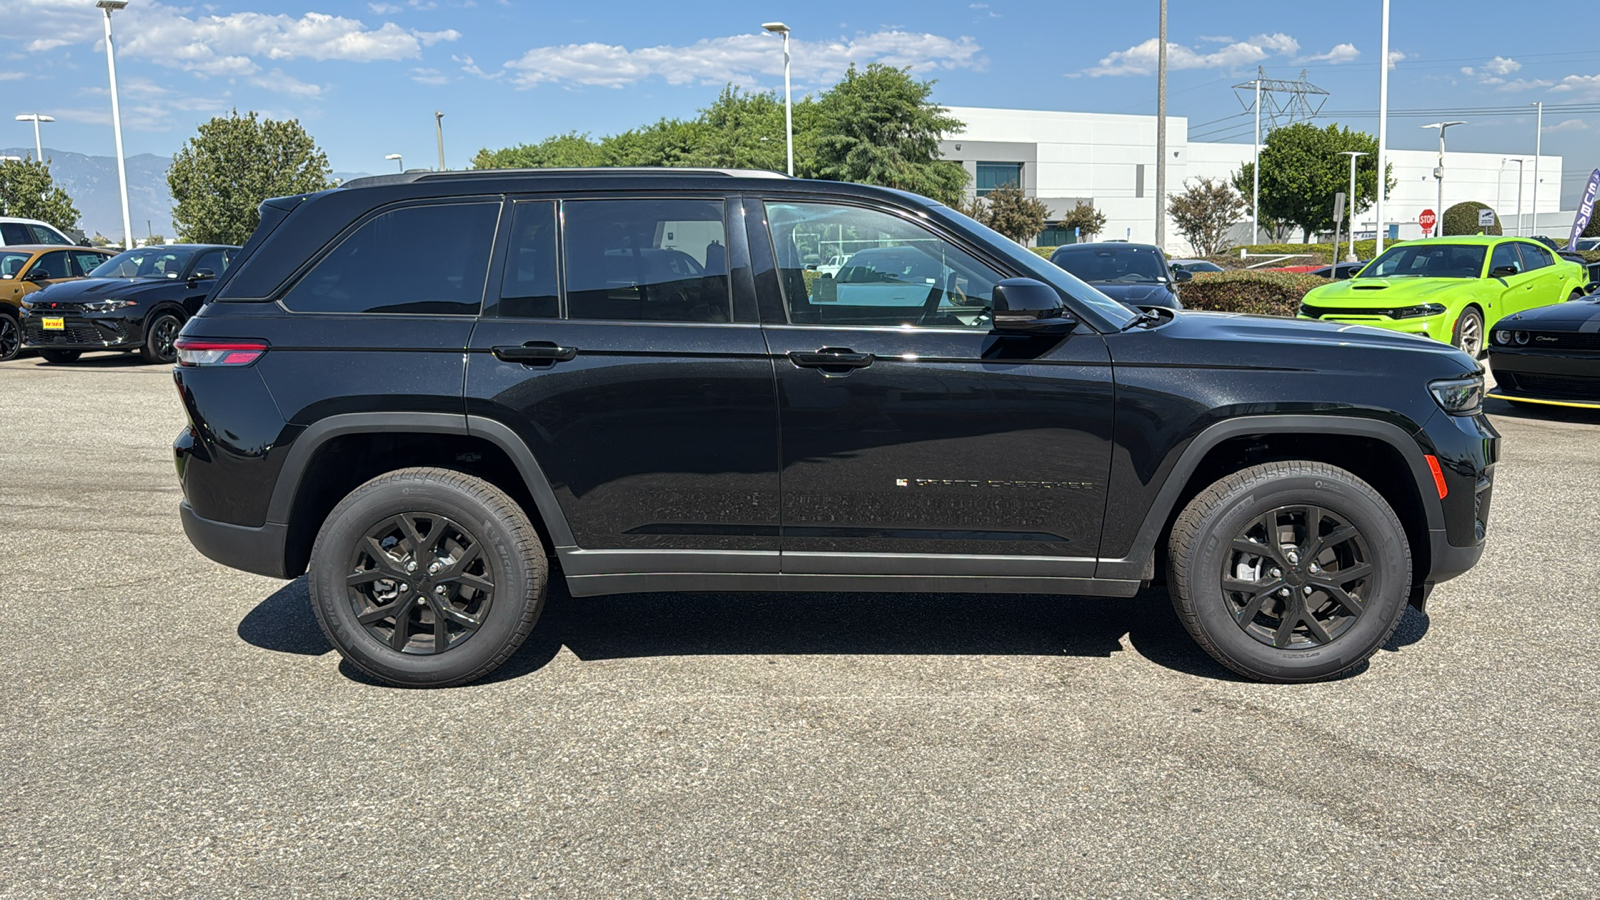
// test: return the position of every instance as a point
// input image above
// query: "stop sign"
(1426, 220)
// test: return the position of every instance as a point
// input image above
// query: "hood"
(1382, 292)
(1137, 294)
(90, 290)
(1574, 315)
(1329, 346)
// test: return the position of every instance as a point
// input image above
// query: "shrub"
(1257, 293)
(1463, 219)
(1043, 251)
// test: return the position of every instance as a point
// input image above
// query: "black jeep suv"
(429, 388)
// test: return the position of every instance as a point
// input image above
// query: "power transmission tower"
(1283, 102)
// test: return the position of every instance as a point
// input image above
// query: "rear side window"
(530, 288)
(1534, 257)
(87, 260)
(43, 235)
(15, 233)
(418, 259)
(647, 260)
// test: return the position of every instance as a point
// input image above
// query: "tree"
(570, 150)
(745, 130)
(27, 191)
(222, 175)
(1086, 219)
(1301, 170)
(669, 142)
(1205, 212)
(1011, 212)
(1462, 218)
(878, 127)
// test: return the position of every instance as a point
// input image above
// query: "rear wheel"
(1468, 337)
(427, 577)
(60, 356)
(159, 337)
(1289, 571)
(10, 338)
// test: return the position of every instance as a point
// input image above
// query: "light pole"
(1350, 200)
(110, 6)
(438, 124)
(1161, 131)
(1438, 171)
(1255, 166)
(35, 118)
(397, 161)
(1383, 126)
(1538, 136)
(1519, 160)
(788, 104)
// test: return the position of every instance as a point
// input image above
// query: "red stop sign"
(1426, 220)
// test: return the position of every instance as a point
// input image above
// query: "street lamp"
(397, 161)
(110, 6)
(1350, 201)
(35, 118)
(1438, 171)
(788, 104)
(1383, 126)
(1519, 160)
(438, 124)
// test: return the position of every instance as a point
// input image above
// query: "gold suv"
(26, 268)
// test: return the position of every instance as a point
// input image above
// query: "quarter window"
(895, 272)
(1534, 257)
(430, 260)
(647, 260)
(530, 287)
(15, 233)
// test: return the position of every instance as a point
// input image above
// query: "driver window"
(891, 271)
(1505, 255)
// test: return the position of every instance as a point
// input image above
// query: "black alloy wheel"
(1295, 577)
(160, 338)
(10, 338)
(420, 583)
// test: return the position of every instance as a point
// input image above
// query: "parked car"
(135, 300)
(1194, 266)
(1588, 244)
(1341, 271)
(1452, 289)
(833, 265)
(19, 232)
(423, 439)
(1134, 274)
(27, 268)
(1549, 355)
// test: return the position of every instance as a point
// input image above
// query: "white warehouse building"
(1108, 161)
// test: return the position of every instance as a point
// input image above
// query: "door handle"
(830, 358)
(535, 351)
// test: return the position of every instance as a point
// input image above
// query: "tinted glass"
(11, 264)
(87, 261)
(530, 288)
(1505, 255)
(1534, 257)
(895, 272)
(15, 233)
(215, 260)
(1122, 265)
(419, 259)
(146, 262)
(53, 265)
(43, 235)
(1428, 261)
(992, 175)
(649, 260)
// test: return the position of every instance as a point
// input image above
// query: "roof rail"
(419, 175)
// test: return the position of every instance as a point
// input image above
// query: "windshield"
(1428, 261)
(1120, 265)
(12, 263)
(146, 262)
(1118, 315)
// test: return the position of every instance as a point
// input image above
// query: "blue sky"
(365, 77)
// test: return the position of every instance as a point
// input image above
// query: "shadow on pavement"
(628, 626)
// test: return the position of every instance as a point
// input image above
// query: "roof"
(1106, 245)
(1484, 239)
(413, 177)
(34, 248)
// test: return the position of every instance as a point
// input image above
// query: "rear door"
(1544, 284)
(623, 350)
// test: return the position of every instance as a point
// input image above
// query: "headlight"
(1417, 312)
(1521, 337)
(1502, 337)
(109, 305)
(1459, 396)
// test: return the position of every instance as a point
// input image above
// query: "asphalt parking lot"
(172, 727)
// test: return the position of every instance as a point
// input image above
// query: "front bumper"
(258, 550)
(1554, 377)
(81, 332)
(1438, 327)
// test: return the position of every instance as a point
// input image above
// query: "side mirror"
(1026, 306)
(1182, 275)
(37, 275)
(1503, 271)
(202, 275)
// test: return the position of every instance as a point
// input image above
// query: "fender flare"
(305, 446)
(1136, 564)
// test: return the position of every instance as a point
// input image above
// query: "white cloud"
(276, 80)
(741, 58)
(12, 76)
(1586, 86)
(1341, 53)
(45, 44)
(1395, 58)
(1569, 125)
(1502, 66)
(383, 9)
(1141, 59)
(429, 76)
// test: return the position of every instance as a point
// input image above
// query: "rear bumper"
(257, 550)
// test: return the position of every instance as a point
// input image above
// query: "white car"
(15, 231)
(832, 266)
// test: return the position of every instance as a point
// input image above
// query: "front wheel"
(427, 577)
(1289, 571)
(159, 338)
(10, 338)
(1468, 336)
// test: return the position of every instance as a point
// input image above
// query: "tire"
(450, 516)
(60, 357)
(159, 334)
(10, 338)
(1214, 579)
(1469, 328)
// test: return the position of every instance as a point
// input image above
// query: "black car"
(136, 300)
(1341, 271)
(430, 389)
(1133, 274)
(1549, 355)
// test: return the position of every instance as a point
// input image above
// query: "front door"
(620, 358)
(915, 440)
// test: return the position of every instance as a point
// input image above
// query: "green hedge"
(1258, 293)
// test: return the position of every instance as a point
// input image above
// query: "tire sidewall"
(150, 351)
(1483, 331)
(16, 333)
(1391, 573)
(517, 584)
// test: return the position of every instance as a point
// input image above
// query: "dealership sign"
(1585, 209)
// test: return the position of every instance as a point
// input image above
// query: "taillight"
(205, 352)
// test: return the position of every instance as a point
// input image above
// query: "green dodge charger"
(1452, 289)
